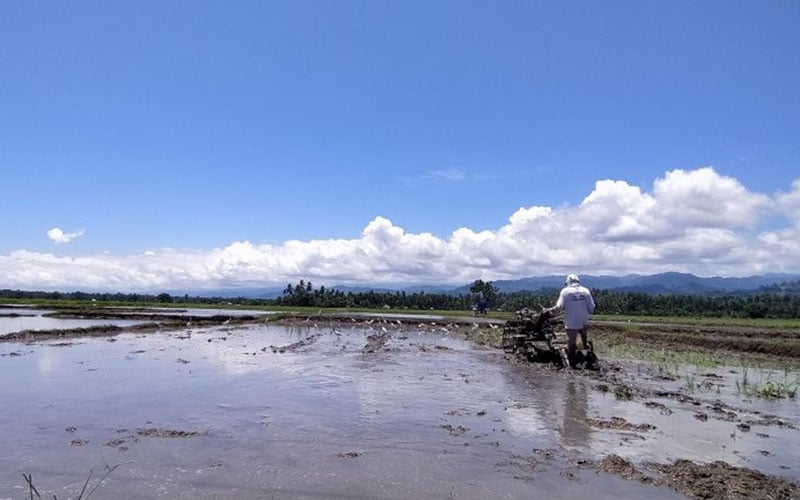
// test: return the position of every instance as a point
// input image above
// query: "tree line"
(779, 302)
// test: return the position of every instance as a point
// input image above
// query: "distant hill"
(786, 287)
(447, 289)
(663, 283)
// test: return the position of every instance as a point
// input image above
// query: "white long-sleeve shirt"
(577, 303)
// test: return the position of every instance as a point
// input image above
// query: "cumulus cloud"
(59, 236)
(695, 221)
(789, 203)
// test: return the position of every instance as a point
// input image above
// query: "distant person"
(578, 305)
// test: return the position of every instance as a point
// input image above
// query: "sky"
(173, 145)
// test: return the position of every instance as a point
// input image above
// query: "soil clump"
(714, 481)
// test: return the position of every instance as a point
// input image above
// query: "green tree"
(486, 290)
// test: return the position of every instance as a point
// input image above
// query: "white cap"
(572, 279)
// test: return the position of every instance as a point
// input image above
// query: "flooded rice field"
(15, 319)
(378, 410)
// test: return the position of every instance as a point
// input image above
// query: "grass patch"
(769, 388)
(668, 360)
(758, 377)
(623, 393)
(771, 323)
(718, 344)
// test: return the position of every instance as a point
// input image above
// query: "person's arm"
(590, 305)
(559, 304)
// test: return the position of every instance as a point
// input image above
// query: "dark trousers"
(572, 342)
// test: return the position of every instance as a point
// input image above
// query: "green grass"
(670, 359)
(787, 324)
(667, 359)
(672, 364)
(769, 388)
(668, 363)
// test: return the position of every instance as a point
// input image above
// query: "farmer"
(482, 305)
(577, 303)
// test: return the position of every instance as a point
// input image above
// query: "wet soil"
(717, 480)
(257, 410)
(166, 433)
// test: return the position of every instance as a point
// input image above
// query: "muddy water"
(305, 412)
(704, 414)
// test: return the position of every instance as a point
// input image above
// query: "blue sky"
(149, 145)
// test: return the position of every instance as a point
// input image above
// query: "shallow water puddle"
(307, 412)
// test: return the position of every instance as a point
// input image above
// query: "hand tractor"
(533, 336)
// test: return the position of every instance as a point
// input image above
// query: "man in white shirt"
(578, 305)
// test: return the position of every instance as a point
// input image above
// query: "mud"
(721, 480)
(717, 480)
(166, 433)
(618, 423)
(373, 407)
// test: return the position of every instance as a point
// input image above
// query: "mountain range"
(663, 283)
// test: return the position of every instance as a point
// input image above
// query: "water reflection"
(48, 362)
(575, 431)
(535, 400)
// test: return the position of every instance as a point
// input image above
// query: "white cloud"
(59, 236)
(703, 197)
(789, 203)
(451, 174)
(691, 221)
